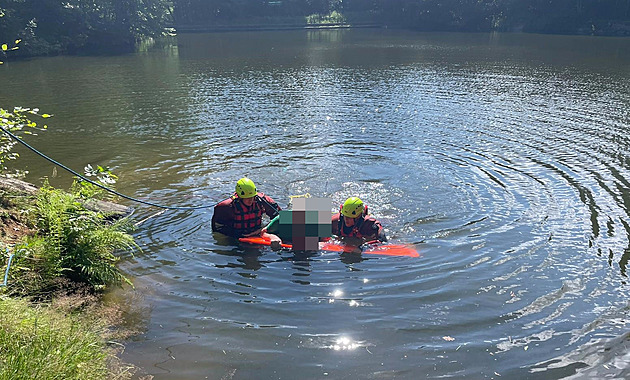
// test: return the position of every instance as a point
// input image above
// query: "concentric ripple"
(503, 159)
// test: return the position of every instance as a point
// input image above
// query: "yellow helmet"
(245, 188)
(352, 207)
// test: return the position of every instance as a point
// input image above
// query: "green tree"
(70, 26)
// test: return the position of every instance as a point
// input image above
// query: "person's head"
(352, 209)
(246, 190)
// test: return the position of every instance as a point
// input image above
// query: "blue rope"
(6, 272)
(98, 184)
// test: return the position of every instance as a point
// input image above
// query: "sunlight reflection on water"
(503, 159)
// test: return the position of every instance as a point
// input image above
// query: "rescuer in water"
(353, 220)
(241, 214)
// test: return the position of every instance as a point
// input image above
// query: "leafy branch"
(18, 121)
(6, 48)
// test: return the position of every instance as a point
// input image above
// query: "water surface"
(504, 159)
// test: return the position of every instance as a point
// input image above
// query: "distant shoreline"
(259, 28)
(611, 30)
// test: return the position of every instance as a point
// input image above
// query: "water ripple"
(503, 161)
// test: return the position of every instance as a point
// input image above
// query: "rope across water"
(83, 178)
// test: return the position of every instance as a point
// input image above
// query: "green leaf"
(45, 116)
(5, 47)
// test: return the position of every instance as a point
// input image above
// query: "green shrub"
(72, 242)
(333, 17)
(102, 175)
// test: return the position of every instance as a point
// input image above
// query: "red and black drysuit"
(233, 218)
(365, 227)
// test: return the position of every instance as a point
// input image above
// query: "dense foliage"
(254, 12)
(546, 16)
(72, 26)
(333, 18)
(75, 26)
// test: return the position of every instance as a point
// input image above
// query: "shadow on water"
(504, 156)
(248, 256)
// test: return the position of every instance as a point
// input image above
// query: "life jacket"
(356, 228)
(246, 219)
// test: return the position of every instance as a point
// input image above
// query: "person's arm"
(335, 224)
(274, 226)
(270, 232)
(373, 229)
(222, 219)
(380, 235)
(271, 207)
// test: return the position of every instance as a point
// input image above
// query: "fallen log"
(111, 209)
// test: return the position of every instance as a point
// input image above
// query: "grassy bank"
(43, 342)
(53, 323)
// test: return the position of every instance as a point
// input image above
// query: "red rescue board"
(385, 249)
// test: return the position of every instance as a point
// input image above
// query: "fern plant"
(74, 242)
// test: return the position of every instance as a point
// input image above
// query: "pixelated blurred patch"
(319, 204)
(298, 230)
(312, 243)
(308, 243)
(299, 217)
(298, 204)
(286, 217)
(324, 230)
(311, 217)
(311, 230)
(285, 231)
(324, 217)
(299, 244)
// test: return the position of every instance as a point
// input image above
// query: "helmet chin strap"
(275, 209)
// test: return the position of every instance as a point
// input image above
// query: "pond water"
(504, 159)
